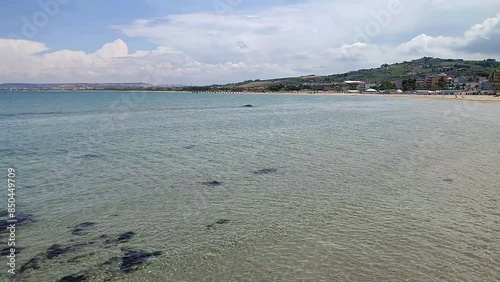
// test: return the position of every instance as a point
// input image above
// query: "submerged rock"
(6, 251)
(218, 222)
(73, 278)
(31, 264)
(88, 156)
(222, 221)
(265, 171)
(133, 258)
(82, 228)
(56, 250)
(122, 238)
(125, 237)
(107, 239)
(113, 260)
(212, 183)
(24, 218)
(21, 219)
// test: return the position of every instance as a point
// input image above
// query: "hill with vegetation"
(405, 71)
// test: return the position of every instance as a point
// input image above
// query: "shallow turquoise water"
(359, 192)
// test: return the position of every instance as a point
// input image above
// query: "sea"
(150, 186)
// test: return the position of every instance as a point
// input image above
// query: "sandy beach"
(469, 98)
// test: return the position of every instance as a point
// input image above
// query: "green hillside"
(472, 70)
(421, 67)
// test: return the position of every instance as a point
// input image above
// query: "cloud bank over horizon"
(230, 43)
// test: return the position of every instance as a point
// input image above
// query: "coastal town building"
(421, 82)
(439, 81)
(485, 85)
(372, 85)
(359, 86)
(398, 84)
(472, 88)
(459, 81)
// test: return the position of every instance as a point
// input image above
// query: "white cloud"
(113, 63)
(11, 47)
(476, 42)
(113, 50)
(317, 36)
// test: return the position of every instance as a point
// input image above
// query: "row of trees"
(444, 84)
(496, 86)
(409, 84)
(282, 87)
(387, 85)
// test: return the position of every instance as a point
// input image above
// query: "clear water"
(359, 192)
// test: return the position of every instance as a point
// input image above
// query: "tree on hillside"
(387, 85)
(491, 78)
(409, 84)
(293, 87)
(451, 84)
(275, 87)
(493, 82)
(442, 83)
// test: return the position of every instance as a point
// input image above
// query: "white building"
(356, 85)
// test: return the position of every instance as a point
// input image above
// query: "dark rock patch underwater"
(82, 228)
(129, 261)
(21, 220)
(56, 250)
(73, 278)
(213, 183)
(133, 258)
(265, 171)
(31, 264)
(218, 222)
(89, 156)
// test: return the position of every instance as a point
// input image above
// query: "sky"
(201, 42)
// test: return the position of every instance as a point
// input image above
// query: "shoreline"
(469, 98)
(441, 97)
